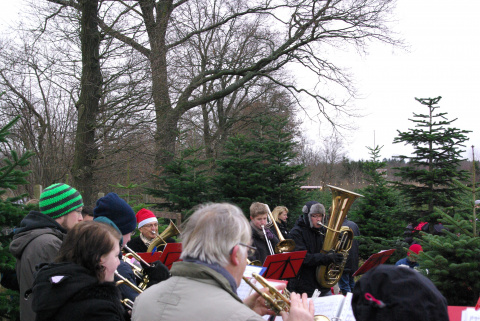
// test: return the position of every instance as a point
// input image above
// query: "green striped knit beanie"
(59, 199)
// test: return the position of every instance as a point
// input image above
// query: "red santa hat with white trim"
(145, 216)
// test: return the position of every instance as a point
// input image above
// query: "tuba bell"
(338, 238)
(160, 240)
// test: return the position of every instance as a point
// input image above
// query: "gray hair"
(212, 231)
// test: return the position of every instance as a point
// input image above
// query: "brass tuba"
(338, 238)
(170, 231)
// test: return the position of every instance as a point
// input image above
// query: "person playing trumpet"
(262, 238)
(216, 241)
(115, 211)
(79, 285)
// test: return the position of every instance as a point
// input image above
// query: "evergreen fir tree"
(184, 182)
(428, 178)
(378, 213)
(260, 167)
(11, 213)
(452, 259)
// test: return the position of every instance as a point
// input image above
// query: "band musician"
(148, 227)
(309, 235)
(216, 241)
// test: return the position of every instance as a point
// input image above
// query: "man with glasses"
(40, 235)
(309, 234)
(216, 241)
(148, 227)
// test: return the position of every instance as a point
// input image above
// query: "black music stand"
(284, 265)
(171, 253)
(373, 261)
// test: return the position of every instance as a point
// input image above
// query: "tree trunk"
(88, 102)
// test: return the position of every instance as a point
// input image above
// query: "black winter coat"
(352, 261)
(310, 239)
(282, 226)
(67, 291)
(137, 245)
(262, 247)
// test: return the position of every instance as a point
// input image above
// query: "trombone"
(284, 245)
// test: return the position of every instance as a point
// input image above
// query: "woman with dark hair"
(79, 285)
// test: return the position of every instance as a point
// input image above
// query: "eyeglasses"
(317, 215)
(149, 226)
(251, 249)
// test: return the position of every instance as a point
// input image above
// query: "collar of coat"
(192, 269)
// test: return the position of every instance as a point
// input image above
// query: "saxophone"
(338, 238)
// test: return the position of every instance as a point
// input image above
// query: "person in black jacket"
(394, 293)
(261, 234)
(309, 235)
(347, 281)
(280, 215)
(113, 210)
(148, 226)
(79, 285)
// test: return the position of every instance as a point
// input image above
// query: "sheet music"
(335, 306)
(470, 314)
(328, 306)
(346, 313)
(244, 289)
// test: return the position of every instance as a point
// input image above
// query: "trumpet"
(284, 245)
(170, 231)
(127, 302)
(125, 281)
(274, 299)
(136, 270)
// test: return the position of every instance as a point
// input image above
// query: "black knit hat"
(59, 199)
(118, 211)
(405, 293)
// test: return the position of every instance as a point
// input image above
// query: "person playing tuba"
(148, 227)
(309, 234)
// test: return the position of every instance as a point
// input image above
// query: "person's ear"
(234, 255)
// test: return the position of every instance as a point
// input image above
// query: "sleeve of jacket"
(43, 249)
(301, 244)
(126, 271)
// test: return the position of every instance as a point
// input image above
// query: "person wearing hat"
(410, 261)
(394, 293)
(40, 235)
(148, 226)
(309, 234)
(115, 211)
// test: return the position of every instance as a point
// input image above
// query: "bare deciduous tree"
(286, 32)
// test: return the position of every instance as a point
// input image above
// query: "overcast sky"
(442, 59)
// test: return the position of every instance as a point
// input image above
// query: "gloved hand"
(333, 257)
(157, 272)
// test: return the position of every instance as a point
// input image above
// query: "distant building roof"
(310, 187)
